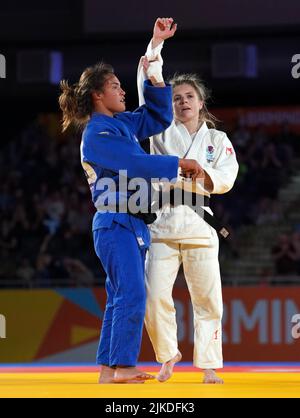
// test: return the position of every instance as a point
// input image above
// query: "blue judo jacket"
(110, 144)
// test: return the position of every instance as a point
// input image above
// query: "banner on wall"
(272, 118)
(259, 324)
(63, 325)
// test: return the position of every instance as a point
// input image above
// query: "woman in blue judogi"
(110, 143)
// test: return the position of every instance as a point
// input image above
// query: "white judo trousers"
(181, 236)
(202, 274)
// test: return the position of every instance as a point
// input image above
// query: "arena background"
(51, 285)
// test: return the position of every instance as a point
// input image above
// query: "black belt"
(147, 217)
(186, 198)
(183, 197)
(190, 199)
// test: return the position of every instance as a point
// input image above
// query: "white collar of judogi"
(191, 146)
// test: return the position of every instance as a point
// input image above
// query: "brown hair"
(202, 92)
(75, 100)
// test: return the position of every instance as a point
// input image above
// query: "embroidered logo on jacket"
(210, 151)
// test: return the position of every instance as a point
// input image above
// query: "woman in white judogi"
(179, 235)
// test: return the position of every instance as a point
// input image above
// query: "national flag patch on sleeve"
(229, 150)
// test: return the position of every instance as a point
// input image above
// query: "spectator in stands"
(270, 172)
(285, 256)
(26, 272)
(268, 211)
(296, 245)
(79, 274)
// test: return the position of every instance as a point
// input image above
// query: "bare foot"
(211, 377)
(131, 375)
(106, 375)
(166, 370)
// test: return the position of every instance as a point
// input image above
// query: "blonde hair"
(75, 100)
(203, 94)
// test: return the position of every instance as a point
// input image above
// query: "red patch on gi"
(229, 151)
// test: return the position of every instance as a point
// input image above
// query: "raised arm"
(164, 28)
(151, 67)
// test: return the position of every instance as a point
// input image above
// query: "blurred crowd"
(265, 166)
(46, 209)
(265, 162)
(46, 212)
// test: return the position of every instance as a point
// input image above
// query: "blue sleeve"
(115, 153)
(155, 116)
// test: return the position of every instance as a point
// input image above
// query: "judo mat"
(241, 381)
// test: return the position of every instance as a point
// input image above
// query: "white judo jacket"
(213, 151)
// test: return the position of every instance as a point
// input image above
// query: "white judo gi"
(179, 235)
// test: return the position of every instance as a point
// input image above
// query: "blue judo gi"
(111, 144)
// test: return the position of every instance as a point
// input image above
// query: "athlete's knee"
(155, 294)
(130, 299)
(135, 310)
(209, 309)
(158, 293)
(216, 313)
(138, 300)
(138, 313)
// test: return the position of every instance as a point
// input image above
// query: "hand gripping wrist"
(154, 72)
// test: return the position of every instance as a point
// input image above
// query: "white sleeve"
(225, 168)
(151, 53)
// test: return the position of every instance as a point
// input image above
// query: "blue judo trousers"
(111, 144)
(123, 260)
